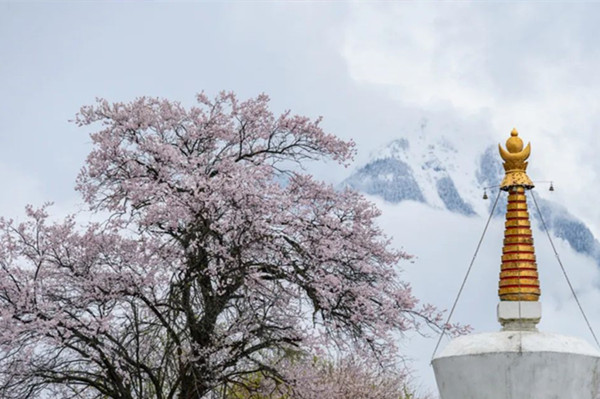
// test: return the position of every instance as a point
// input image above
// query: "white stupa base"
(518, 364)
(519, 315)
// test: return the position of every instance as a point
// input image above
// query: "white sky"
(373, 70)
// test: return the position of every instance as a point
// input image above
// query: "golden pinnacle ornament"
(514, 163)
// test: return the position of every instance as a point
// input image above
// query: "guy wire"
(462, 286)
(564, 271)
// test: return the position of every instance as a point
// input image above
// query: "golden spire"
(518, 276)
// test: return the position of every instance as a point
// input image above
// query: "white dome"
(517, 341)
(518, 364)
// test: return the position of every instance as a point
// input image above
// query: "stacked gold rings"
(519, 279)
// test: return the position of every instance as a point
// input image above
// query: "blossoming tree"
(215, 259)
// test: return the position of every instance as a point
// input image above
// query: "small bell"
(551, 187)
(485, 196)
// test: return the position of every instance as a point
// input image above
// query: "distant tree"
(215, 257)
(308, 377)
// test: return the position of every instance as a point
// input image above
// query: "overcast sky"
(374, 72)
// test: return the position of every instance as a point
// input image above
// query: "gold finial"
(518, 276)
(515, 162)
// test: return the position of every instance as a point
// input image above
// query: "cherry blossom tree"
(216, 257)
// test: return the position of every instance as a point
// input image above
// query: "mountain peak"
(423, 170)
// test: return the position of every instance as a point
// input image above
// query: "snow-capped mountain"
(421, 170)
(432, 171)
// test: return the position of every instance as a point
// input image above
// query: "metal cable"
(444, 328)
(564, 271)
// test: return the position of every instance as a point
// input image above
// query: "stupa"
(518, 362)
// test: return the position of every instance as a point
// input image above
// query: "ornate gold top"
(515, 162)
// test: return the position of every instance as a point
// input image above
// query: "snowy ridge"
(426, 170)
(431, 170)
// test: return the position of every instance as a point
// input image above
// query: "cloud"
(529, 66)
